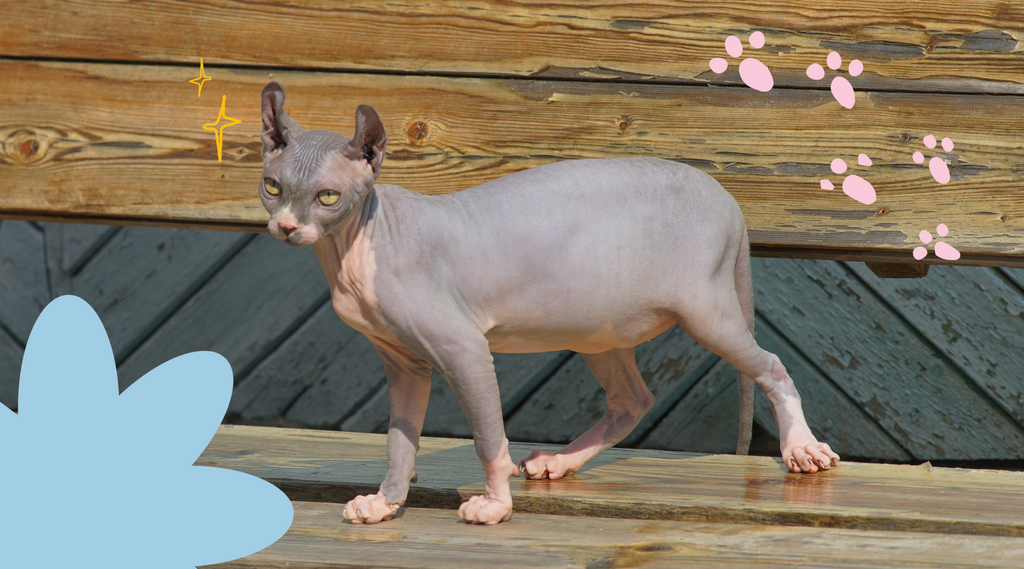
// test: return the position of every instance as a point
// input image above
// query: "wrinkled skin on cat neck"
(593, 256)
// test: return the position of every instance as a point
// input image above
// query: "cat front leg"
(466, 363)
(408, 390)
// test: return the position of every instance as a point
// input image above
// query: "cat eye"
(328, 197)
(271, 186)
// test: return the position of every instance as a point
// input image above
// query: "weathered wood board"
(833, 416)
(423, 538)
(143, 275)
(452, 133)
(974, 317)
(320, 373)
(23, 294)
(941, 45)
(328, 401)
(426, 539)
(315, 352)
(1014, 275)
(22, 271)
(282, 286)
(706, 419)
(641, 484)
(519, 375)
(848, 333)
(79, 242)
(572, 401)
(10, 369)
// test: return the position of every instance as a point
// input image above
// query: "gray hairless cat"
(594, 256)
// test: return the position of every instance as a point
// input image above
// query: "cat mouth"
(295, 240)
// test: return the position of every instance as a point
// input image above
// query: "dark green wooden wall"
(898, 370)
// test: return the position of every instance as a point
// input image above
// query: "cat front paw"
(370, 509)
(487, 511)
(810, 458)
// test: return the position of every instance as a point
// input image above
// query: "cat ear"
(278, 128)
(370, 141)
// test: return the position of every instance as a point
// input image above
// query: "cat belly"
(602, 339)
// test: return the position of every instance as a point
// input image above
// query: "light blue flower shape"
(90, 478)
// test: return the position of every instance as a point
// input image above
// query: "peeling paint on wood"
(356, 374)
(80, 242)
(24, 290)
(572, 401)
(10, 369)
(706, 419)
(868, 352)
(975, 317)
(518, 375)
(313, 353)
(144, 274)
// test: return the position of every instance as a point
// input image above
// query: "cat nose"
(288, 229)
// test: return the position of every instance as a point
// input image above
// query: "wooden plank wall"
(895, 370)
(100, 120)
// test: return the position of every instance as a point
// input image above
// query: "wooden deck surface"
(630, 508)
(428, 538)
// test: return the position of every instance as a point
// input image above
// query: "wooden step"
(324, 466)
(427, 538)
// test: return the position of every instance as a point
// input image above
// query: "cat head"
(315, 180)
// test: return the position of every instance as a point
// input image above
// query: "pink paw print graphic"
(842, 90)
(753, 73)
(943, 250)
(854, 186)
(936, 165)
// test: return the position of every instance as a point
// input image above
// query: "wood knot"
(652, 548)
(904, 137)
(929, 48)
(882, 211)
(624, 123)
(29, 148)
(417, 131)
(24, 146)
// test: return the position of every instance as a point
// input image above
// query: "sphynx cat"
(593, 256)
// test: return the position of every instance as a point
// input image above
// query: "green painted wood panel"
(518, 376)
(242, 312)
(144, 274)
(881, 362)
(24, 289)
(974, 316)
(572, 401)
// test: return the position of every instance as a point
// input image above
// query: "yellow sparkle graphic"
(203, 78)
(219, 131)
